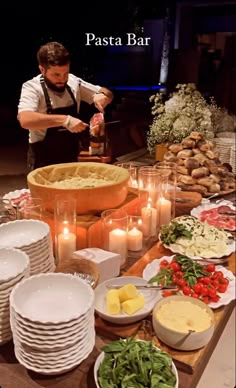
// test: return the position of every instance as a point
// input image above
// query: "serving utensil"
(145, 287)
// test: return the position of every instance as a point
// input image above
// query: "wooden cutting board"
(186, 361)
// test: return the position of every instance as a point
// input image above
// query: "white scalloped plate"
(16, 195)
(196, 211)
(153, 268)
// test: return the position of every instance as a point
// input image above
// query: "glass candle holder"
(115, 224)
(135, 234)
(133, 173)
(65, 226)
(149, 182)
(166, 202)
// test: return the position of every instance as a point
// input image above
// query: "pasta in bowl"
(95, 186)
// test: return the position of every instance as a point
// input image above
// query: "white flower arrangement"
(185, 111)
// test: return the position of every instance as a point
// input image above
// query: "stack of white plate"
(32, 237)
(52, 320)
(233, 158)
(223, 146)
(14, 267)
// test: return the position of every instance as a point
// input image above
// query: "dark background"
(196, 57)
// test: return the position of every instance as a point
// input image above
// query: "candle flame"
(65, 231)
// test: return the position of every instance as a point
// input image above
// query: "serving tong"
(145, 287)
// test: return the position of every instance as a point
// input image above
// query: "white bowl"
(13, 262)
(178, 339)
(100, 359)
(52, 298)
(151, 296)
(21, 233)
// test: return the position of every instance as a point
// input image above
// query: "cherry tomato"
(204, 291)
(215, 283)
(206, 280)
(175, 266)
(181, 282)
(210, 268)
(216, 299)
(198, 288)
(224, 281)
(212, 292)
(222, 287)
(164, 263)
(206, 300)
(168, 293)
(186, 290)
(219, 274)
(195, 295)
(179, 274)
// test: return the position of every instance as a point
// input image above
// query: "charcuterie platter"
(222, 214)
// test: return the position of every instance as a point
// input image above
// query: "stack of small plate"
(14, 267)
(52, 320)
(32, 237)
(223, 146)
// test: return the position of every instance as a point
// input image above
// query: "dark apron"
(59, 144)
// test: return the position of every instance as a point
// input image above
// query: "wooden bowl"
(80, 266)
(186, 201)
(49, 181)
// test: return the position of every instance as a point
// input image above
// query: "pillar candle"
(135, 239)
(149, 218)
(66, 244)
(118, 243)
(164, 210)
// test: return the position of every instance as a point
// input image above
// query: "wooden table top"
(14, 375)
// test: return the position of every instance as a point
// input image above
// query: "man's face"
(56, 77)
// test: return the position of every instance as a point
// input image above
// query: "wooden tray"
(221, 193)
(185, 361)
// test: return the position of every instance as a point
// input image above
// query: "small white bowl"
(151, 296)
(52, 298)
(13, 262)
(100, 358)
(183, 340)
(21, 233)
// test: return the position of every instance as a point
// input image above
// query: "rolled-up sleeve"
(87, 91)
(29, 98)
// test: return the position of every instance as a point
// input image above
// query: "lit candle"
(164, 210)
(149, 217)
(135, 239)
(66, 244)
(118, 243)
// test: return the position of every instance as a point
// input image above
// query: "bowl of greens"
(134, 363)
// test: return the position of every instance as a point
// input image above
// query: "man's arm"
(36, 121)
(102, 98)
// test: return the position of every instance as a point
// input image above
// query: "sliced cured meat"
(215, 218)
(226, 209)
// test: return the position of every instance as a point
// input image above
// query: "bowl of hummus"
(182, 322)
(95, 186)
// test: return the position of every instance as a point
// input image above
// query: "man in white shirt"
(49, 106)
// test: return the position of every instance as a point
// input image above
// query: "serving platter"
(225, 298)
(215, 219)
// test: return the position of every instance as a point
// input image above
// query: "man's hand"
(74, 125)
(101, 100)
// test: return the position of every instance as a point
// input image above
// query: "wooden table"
(14, 375)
